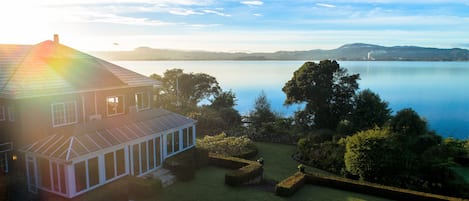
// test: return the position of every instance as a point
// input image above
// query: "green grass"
(208, 183)
(463, 172)
(278, 163)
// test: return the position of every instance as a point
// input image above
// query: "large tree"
(186, 89)
(326, 88)
(369, 111)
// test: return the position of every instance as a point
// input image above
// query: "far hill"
(349, 52)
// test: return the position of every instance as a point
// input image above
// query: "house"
(74, 122)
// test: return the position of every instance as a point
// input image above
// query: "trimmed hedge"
(244, 171)
(140, 188)
(290, 185)
(374, 189)
(184, 164)
(244, 175)
(228, 161)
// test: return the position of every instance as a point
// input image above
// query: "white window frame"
(64, 114)
(2, 113)
(140, 108)
(123, 105)
(11, 113)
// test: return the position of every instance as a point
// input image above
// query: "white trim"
(65, 113)
(123, 105)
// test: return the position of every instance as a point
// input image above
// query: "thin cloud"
(257, 14)
(252, 3)
(325, 5)
(216, 13)
(184, 12)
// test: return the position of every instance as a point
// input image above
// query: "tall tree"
(187, 89)
(326, 88)
(262, 111)
(369, 111)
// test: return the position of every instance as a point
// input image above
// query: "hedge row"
(374, 189)
(245, 171)
(184, 164)
(290, 185)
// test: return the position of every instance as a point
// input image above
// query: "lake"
(438, 91)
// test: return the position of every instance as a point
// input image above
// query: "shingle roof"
(95, 138)
(51, 68)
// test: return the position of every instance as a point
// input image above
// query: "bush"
(290, 185)
(229, 146)
(245, 175)
(183, 165)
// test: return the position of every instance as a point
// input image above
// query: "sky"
(235, 25)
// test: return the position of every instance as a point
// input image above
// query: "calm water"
(438, 91)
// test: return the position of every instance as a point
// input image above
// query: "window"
(169, 143)
(115, 105)
(44, 173)
(64, 113)
(80, 176)
(2, 113)
(11, 113)
(176, 141)
(120, 162)
(142, 100)
(191, 135)
(185, 138)
(93, 172)
(109, 164)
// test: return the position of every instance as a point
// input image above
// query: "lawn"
(209, 183)
(463, 172)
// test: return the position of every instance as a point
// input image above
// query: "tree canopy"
(369, 111)
(186, 89)
(326, 88)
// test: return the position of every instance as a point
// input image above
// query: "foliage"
(408, 123)
(369, 111)
(230, 146)
(327, 90)
(185, 89)
(226, 99)
(262, 111)
(371, 154)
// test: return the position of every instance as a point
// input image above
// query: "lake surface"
(438, 91)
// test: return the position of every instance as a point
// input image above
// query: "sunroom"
(72, 165)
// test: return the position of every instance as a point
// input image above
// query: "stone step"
(165, 175)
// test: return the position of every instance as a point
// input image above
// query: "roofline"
(12, 97)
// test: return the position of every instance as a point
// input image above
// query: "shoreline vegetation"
(348, 52)
(342, 130)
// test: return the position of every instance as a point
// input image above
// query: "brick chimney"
(56, 38)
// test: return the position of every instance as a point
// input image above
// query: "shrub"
(230, 146)
(244, 175)
(290, 185)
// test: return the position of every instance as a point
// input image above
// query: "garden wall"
(244, 171)
(290, 185)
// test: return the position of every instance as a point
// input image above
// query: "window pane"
(143, 151)
(93, 171)
(169, 143)
(109, 163)
(2, 113)
(151, 154)
(55, 176)
(115, 105)
(136, 159)
(158, 151)
(191, 136)
(185, 141)
(120, 161)
(63, 187)
(44, 172)
(80, 176)
(176, 141)
(58, 114)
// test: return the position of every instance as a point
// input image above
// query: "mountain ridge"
(346, 52)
